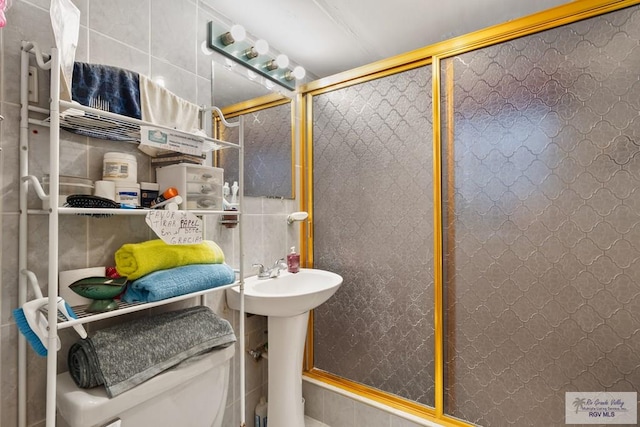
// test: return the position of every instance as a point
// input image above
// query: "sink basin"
(287, 295)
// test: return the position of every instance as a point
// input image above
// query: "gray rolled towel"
(124, 355)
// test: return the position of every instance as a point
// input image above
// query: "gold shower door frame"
(433, 55)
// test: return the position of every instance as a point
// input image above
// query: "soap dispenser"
(293, 261)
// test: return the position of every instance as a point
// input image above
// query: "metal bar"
(38, 109)
(22, 230)
(437, 242)
(243, 398)
(54, 195)
(448, 197)
(306, 191)
(33, 281)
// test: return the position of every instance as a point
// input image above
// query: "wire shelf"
(124, 308)
(101, 124)
(81, 310)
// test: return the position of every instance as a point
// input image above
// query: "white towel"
(161, 106)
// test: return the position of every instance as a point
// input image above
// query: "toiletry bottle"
(226, 191)
(293, 261)
(261, 413)
(166, 195)
(234, 193)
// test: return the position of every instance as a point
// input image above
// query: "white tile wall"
(156, 38)
(335, 408)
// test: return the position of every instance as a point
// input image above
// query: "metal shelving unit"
(99, 124)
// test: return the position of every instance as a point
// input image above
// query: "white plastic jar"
(128, 193)
(120, 167)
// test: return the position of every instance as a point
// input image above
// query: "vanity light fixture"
(234, 43)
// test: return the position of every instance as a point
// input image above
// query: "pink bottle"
(293, 261)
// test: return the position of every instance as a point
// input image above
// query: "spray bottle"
(260, 419)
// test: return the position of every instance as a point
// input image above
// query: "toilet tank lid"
(77, 405)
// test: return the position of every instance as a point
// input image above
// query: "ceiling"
(330, 36)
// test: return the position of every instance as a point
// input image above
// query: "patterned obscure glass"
(373, 225)
(543, 221)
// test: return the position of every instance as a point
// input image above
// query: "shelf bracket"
(36, 186)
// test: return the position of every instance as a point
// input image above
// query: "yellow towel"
(135, 260)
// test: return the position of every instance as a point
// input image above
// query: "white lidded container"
(120, 167)
(105, 189)
(128, 193)
(148, 193)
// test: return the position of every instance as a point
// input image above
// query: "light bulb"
(238, 32)
(262, 47)
(282, 60)
(299, 72)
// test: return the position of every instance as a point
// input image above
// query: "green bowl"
(100, 289)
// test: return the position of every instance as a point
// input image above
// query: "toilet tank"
(193, 393)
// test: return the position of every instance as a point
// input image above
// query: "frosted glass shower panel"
(372, 164)
(542, 221)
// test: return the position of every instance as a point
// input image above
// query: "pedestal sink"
(286, 300)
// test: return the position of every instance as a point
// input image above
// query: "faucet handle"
(260, 268)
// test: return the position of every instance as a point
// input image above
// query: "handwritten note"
(175, 227)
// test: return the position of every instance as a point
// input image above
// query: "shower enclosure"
(540, 139)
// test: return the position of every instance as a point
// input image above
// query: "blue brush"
(32, 323)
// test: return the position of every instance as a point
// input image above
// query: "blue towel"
(106, 88)
(163, 284)
(114, 87)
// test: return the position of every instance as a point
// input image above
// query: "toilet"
(193, 393)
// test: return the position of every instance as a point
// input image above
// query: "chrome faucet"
(270, 273)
